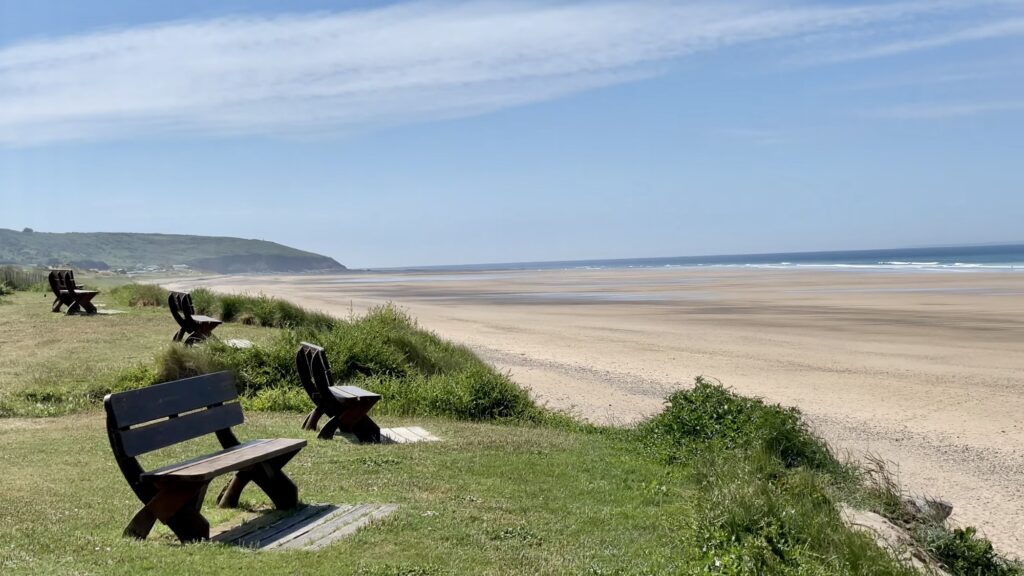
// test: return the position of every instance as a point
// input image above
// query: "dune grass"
(716, 484)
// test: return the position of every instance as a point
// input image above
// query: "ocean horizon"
(995, 257)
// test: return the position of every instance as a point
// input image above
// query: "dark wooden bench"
(148, 419)
(345, 406)
(68, 293)
(196, 327)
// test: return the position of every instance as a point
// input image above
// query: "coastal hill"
(129, 251)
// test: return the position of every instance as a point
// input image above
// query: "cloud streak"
(414, 62)
(931, 111)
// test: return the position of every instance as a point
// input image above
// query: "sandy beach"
(922, 368)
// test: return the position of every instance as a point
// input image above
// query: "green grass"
(52, 364)
(487, 500)
(716, 484)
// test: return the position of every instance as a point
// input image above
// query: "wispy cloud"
(405, 63)
(990, 31)
(929, 111)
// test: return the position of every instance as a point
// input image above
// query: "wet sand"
(924, 369)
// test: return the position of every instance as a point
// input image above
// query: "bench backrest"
(314, 371)
(151, 418)
(58, 280)
(182, 309)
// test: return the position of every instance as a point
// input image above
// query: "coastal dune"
(925, 369)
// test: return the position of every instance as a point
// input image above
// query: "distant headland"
(121, 251)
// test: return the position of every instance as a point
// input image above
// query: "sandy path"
(924, 369)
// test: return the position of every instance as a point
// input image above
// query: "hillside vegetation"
(105, 250)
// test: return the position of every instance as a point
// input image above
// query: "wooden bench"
(68, 293)
(346, 406)
(196, 327)
(148, 419)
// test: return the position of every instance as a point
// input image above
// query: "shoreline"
(925, 369)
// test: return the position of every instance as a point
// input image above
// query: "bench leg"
(312, 419)
(87, 305)
(73, 309)
(177, 506)
(178, 335)
(367, 430)
(201, 334)
(57, 304)
(330, 428)
(269, 477)
(188, 523)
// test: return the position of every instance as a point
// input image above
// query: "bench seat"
(206, 320)
(232, 459)
(352, 393)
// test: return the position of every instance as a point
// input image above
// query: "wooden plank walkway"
(309, 528)
(406, 435)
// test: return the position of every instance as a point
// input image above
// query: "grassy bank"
(717, 483)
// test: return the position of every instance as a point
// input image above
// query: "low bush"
(709, 417)
(415, 371)
(758, 516)
(963, 552)
(259, 310)
(140, 295)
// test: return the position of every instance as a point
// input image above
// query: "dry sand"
(924, 369)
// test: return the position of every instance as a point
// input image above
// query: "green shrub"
(140, 295)
(205, 302)
(258, 311)
(5, 289)
(415, 371)
(279, 399)
(177, 362)
(757, 517)
(709, 416)
(963, 552)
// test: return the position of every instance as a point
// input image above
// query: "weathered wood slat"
(310, 528)
(324, 522)
(232, 535)
(407, 435)
(161, 400)
(342, 531)
(281, 528)
(176, 430)
(229, 460)
(352, 392)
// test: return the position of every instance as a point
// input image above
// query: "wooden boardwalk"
(309, 528)
(406, 435)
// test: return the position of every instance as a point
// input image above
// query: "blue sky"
(412, 133)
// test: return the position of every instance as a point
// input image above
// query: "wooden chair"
(196, 327)
(345, 406)
(68, 293)
(148, 419)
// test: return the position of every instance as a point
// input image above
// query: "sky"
(415, 133)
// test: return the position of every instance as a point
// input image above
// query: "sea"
(1005, 257)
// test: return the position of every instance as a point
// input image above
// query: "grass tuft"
(140, 295)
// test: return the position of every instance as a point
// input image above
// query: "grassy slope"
(127, 250)
(518, 499)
